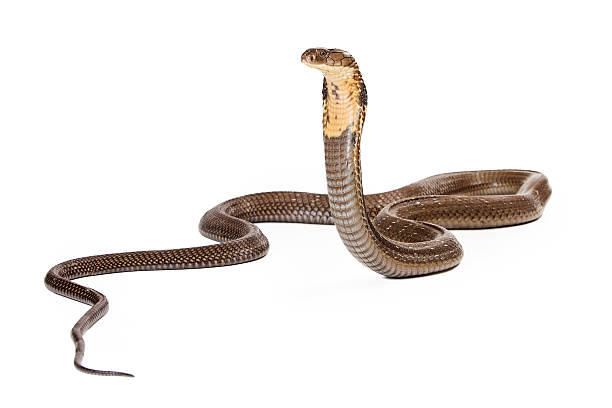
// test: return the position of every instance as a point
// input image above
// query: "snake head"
(328, 60)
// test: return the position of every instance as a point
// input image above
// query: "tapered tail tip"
(101, 372)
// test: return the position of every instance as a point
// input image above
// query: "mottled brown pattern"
(399, 233)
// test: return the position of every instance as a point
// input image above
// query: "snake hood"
(344, 92)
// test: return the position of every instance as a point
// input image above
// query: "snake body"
(399, 233)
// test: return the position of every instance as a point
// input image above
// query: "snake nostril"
(308, 56)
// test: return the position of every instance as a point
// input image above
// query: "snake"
(399, 234)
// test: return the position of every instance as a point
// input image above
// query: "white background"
(123, 121)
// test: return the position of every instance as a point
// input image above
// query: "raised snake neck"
(400, 233)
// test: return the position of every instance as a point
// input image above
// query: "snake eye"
(322, 53)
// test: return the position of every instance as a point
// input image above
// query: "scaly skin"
(398, 242)
(400, 233)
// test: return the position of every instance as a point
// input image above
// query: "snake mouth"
(309, 57)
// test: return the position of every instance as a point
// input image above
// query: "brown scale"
(399, 233)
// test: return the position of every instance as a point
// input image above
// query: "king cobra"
(400, 233)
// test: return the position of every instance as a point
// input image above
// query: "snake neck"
(346, 200)
(344, 102)
(343, 117)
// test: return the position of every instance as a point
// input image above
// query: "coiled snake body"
(400, 233)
